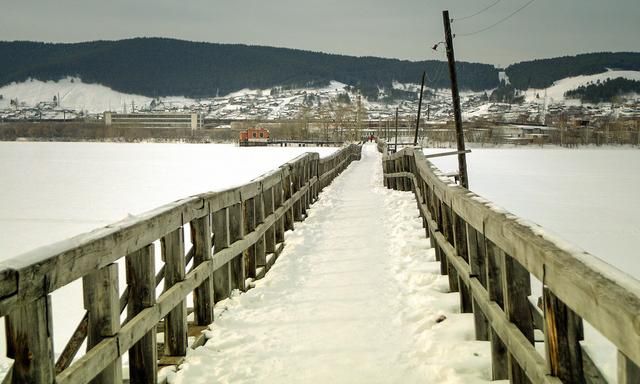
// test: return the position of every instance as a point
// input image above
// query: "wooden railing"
(235, 235)
(490, 257)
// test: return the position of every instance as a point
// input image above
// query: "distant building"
(154, 120)
(254, 137)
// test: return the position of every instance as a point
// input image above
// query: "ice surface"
(52, 191)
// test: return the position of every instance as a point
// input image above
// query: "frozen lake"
(51, 191)
(588, 197)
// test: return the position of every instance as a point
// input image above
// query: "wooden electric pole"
(462, 159)
(415, 138)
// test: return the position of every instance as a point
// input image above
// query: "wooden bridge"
(236, 236)
(490, 258)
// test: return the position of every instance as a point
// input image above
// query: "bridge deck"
(356, 296)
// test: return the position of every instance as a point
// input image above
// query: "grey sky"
(404, 29)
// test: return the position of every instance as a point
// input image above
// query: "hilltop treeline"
(161, 67)
(605, 91)
(542, 73)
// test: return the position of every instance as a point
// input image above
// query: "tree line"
(544, 72)
(606, 91)
(158, 67)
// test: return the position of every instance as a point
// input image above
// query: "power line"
(497, 22)
(477, 13)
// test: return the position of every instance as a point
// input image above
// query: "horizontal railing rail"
(490, 257)
(236, 235)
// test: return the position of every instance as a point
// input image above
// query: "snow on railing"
(236, 236)
(490, 257)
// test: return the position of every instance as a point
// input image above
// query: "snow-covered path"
(355, 297)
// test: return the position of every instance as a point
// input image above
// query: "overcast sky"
(404, 29)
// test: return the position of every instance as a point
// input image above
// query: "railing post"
(447, 231)
(249, 254)
(460, 243)
(277, 203)
(517, 285)
(143, 361)
(175, 323)
(102, 302)
(286, 187)
(297, 184)
(269, 208)
(221, 276)
(236, 232)
(202, 295)
(477, 263)
(260, 247)
(563, 332)
(495, 289)
(29, 342)
(628, 371)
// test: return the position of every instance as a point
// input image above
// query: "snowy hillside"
(555, 93)
(75, 95)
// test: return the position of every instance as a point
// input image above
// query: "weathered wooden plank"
(269, 208)
(42, 271)
(518, 345)
(477, 265)
(563, 331)
(460, 244)
(28, 332)
(102, 302)
(203, 295)
(288, 193)
(175, 324)
(495, 291)
(260, 248)
(517, 288)
(221, 276)
(277, 203)
(143, 359)
(249, 254)
(236, 233)
(628, 371)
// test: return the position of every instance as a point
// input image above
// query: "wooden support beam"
(143, 356)
(517, 284)
(269, 208)
(628, 371)
(563, 332)
(29, 340)
(277, 203)
(203, 295)
(249, 220)
(102, 302)
(477, 264)
(236, 233)
(221, 276)
(175, 324)
(495, 289)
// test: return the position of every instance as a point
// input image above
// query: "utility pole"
(395, 147)
(415, 137)
(462, 159)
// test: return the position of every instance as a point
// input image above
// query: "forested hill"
(162, 67)
(542, 73)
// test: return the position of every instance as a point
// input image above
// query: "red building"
(254, 136)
